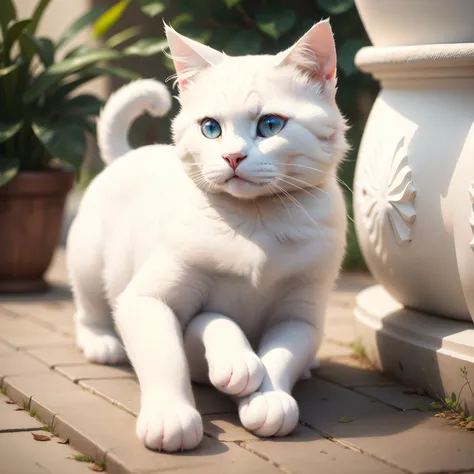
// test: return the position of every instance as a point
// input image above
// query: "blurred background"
(235, 26)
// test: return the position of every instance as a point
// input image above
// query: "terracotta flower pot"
(31, 211)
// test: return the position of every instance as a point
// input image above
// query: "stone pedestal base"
(419, 349)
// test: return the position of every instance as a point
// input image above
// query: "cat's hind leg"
(232, 365)
(95, 333)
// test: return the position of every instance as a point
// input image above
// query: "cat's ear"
(189, 56)
(314, 53)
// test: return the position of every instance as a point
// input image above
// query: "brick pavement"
(353, 419)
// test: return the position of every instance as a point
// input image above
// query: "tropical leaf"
(120, 72)
(232, 3)
(335, 7)
(88, 75)
(8, 169)
(8, 130)
(346, 54)
(44, 47)
(7, 14)
(37, 15)
(276, 23)
(122, 36)
(153, 7)
(80, 50)
(55, 73)
(146, 47)
(244, 42)
(81, 106)
(89, 126)
(108, 19)
(63, 140)
(5, 71)
(13, 32)
(78, 25)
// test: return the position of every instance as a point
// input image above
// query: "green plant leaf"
(120, 72)
(123, 36)
(244, 42)
(5, 71)
(345, 419)
(424, 407)
(89, 126)
(37, 15)
(276, 23)
(346, 54)
(63, 140)
(58, 71)
(88, 75)
(108, 19)
(13, 32)
(232, 3)
(153, 7)
(44, 47)
(80, 50)
(7, 14)
(436, 406)
(182, 19)
(81, 106)
(453, 397)
(8, 130)
(146, 47)
(8, 169)
(469, 419)
(78, 25)
(335, 7)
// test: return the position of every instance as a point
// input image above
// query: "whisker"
(295, 186)
(339, 180)
(270, 186)
(291, 184)
(295, 201)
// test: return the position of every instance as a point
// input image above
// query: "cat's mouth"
(237, 179)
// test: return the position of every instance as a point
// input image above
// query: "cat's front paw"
(239, 375)
(100, 345)
(169, 426)
(272, 413)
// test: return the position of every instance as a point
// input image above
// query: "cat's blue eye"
(210, 128)
(270, 125)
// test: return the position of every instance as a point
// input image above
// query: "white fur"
(123, 108)
(222, 281)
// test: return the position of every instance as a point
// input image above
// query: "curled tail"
(122, 108)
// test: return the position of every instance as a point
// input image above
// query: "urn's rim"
(428, 60)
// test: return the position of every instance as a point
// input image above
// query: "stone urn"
(414, 193)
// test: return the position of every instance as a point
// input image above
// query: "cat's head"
(254, 125)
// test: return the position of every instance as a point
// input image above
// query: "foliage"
(43, 117)
(451, 407)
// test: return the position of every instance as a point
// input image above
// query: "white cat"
(215, 256)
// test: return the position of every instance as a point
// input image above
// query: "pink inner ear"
(315, 53)
(189, 56)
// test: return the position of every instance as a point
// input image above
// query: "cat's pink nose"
(234, 159)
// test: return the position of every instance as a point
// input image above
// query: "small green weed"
(359, 351)
(82, 458)
(46, 428)
(4, 390)
(450, 407)
(32, 413)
